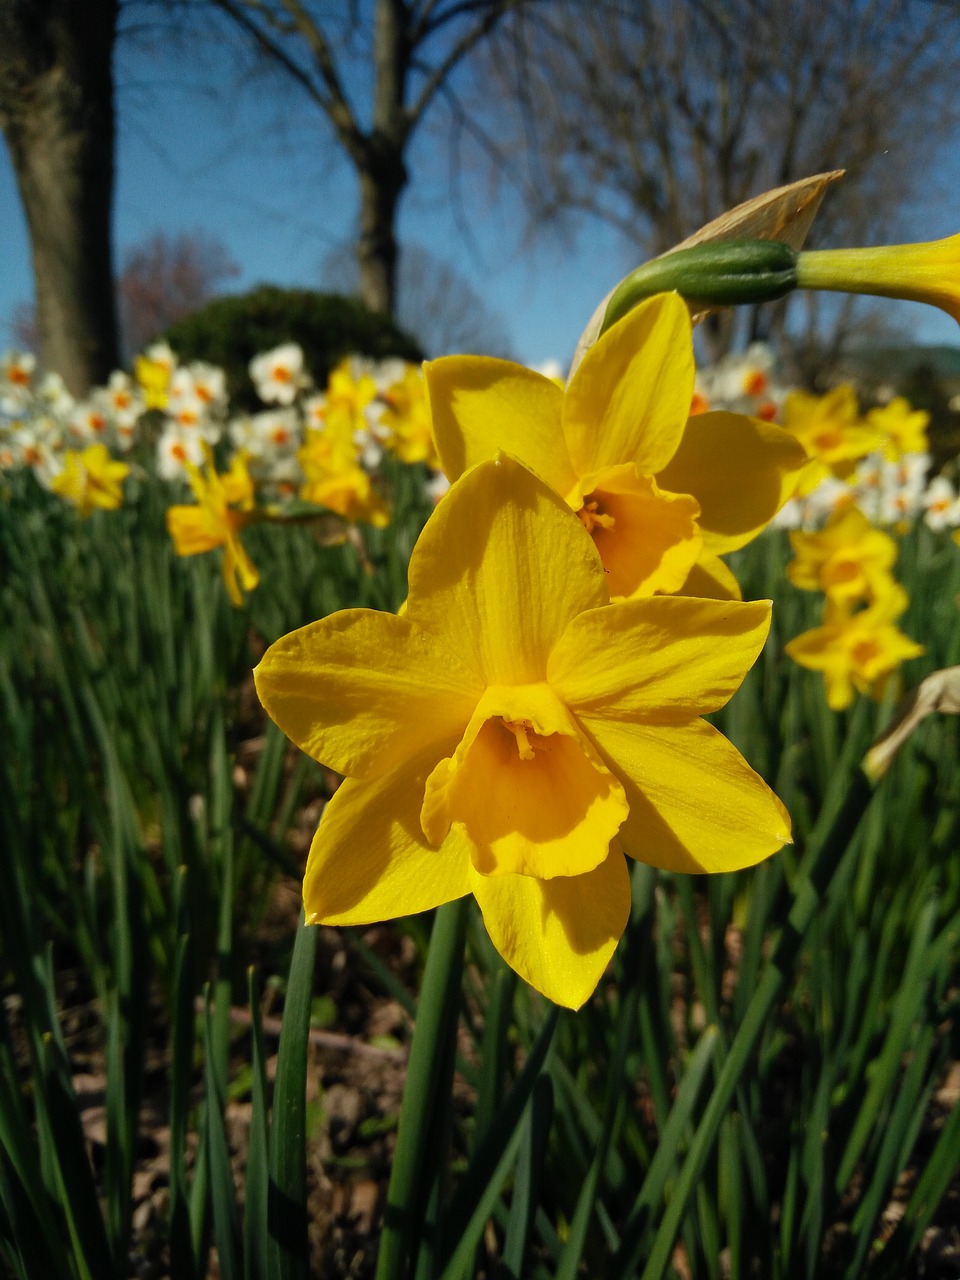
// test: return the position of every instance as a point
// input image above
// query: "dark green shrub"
(230, 331)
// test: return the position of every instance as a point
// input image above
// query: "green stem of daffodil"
(725, 273)
(426, 1092)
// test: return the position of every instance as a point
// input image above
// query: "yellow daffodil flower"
(224, 503)
(350, 390)
(848, 559)
(832, 432)
(927, 272)
(407, 419)
(153, 377)
(857, 651)
(513, 734)
(91, 479)
(662, 493)
(902, 428)
(334, 478)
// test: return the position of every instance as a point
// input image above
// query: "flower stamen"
(592, 516)
(528, 740)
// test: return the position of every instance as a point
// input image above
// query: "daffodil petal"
(363, 691)
(239, 572)
(481, 406)
(739, 469)
(190, 529)
(558, 934)
(665, 659)
(711, 579)
(630, 397)
(501, 567)
(695, 803)
(651, 540)
(526, 788)
(369, 860)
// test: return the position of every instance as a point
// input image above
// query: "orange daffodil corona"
(663, 494)
(513, 734)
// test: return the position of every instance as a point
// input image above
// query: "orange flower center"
(840, 571)
(592, 516)
(755, 382)
(864, 651)
(699, 404)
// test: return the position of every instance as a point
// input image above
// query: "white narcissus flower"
(161, 353)
(280, 474)
(790, 516)
(87, 423)
(277, 431)
(209, 385)
(942, 507)
(243, 435)
(437, 486)
(315, 412)
(52, 391)
(175, 449)
(16, 382)
(384, 374)
(16, 370)
(278, 374)
(33, 450)
(902, 488)
(830, 495)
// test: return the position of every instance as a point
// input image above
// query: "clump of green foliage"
(230, 331)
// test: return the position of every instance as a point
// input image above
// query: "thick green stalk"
(438, 1007)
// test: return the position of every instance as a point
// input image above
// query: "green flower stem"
(436, 1022)
(879, 271)
(822, 866)
(723, 273)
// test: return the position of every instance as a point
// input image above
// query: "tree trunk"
(379, 158)
(381, 186)
(56, 109)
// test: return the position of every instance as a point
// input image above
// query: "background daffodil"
(513, 734)
(831, 430)
(663, 493)
(849, 560)
(223, 507)
(91, 479)
(857, 651)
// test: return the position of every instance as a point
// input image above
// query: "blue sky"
(261, 174)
